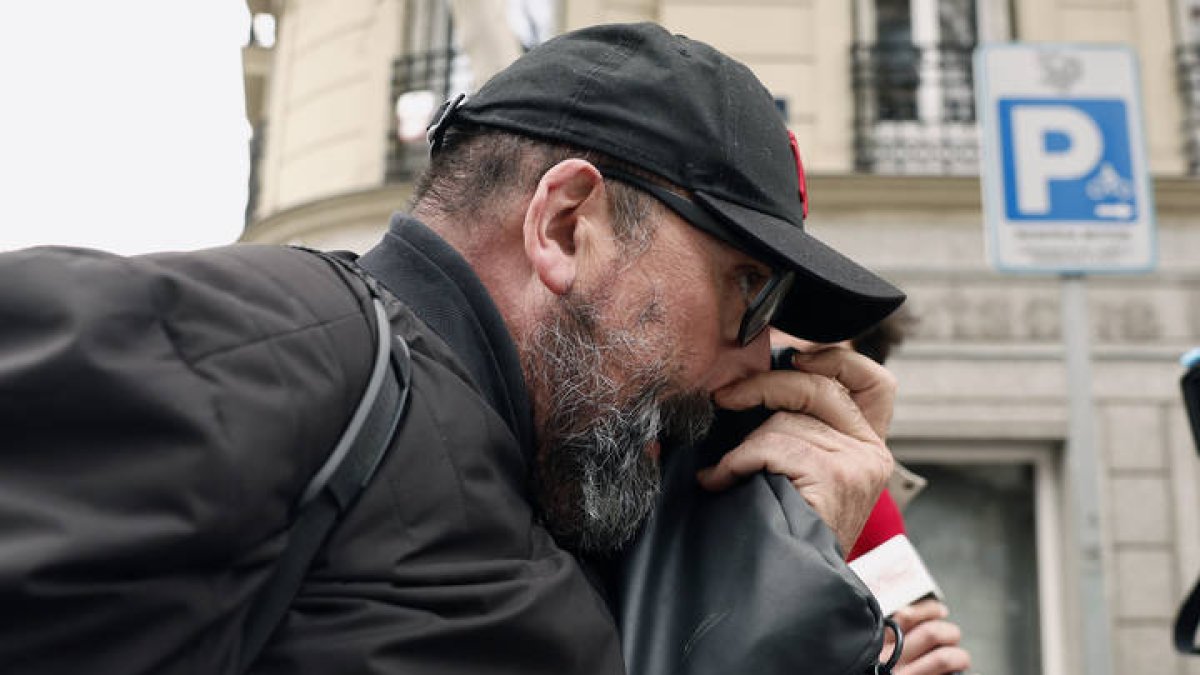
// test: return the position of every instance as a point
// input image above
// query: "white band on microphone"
(896, 574)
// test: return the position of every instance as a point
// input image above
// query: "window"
(914, 98)
(1188, 55)
(435, 67)
(988, 528)
(430, 70)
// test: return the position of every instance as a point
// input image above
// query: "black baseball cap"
(683, 111)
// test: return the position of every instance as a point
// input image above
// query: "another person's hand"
(931, 643)
(826, 436)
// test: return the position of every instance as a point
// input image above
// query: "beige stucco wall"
(800, 50)
(329, 110)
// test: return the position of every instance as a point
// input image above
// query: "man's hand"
(930, 641)
(826, 437)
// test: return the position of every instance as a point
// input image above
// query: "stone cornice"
(372, 207)
(1175, 195)
(871, 192)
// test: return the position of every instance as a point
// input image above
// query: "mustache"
(681, 418)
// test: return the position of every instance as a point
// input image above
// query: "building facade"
(879, 94)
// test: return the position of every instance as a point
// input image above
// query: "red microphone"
(887, 562)
(884, 523)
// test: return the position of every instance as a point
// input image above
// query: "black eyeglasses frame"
(762, 309)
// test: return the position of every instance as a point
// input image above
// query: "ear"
(569, 200)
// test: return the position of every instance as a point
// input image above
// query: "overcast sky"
(122, 123)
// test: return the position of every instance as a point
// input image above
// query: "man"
(606, 230)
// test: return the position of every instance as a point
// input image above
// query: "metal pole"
(1083, 472)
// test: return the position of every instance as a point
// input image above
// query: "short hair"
(476, 166)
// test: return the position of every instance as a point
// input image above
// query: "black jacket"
(161, 414)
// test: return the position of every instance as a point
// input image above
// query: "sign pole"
(1083, 473)
(1066, 190)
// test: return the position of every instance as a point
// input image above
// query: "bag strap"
(336, 484)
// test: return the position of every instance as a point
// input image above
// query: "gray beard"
(594, 481)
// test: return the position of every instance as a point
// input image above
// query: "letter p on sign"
(1066, 161)
(1037, 163)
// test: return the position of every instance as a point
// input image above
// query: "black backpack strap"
(336, 484)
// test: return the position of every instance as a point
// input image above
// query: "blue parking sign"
(1067, 159)
(1063, 168)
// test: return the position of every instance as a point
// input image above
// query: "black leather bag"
(749, 580)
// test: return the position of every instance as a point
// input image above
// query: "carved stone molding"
(1030, 313)
(1173, 195)
(323, 218)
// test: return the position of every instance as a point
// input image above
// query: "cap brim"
(833, 298)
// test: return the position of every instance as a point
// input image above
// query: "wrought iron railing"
(914, 109)
(437, 72)
(1188, 65)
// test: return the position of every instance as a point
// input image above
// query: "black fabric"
(1187, 619)
(441, 288)
(749, 580)
(335, 487)
(684, 111)
(162, 415)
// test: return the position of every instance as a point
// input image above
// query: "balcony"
(914, 109)
(258, 133)
(257, 58)
(420, 83)
(1188, 66)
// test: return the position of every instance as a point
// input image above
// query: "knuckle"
(887, 465)
(771, 438)
(950, 660)
(838, 474)
(904, 618)
(885, 378)
(830, 388)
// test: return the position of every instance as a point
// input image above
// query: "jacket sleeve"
(158, 416)
(749, 580)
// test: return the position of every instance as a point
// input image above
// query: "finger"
(871, 386)
(928, 637)
(942, 661)
(769, 449)
(817, 395)
(909, 616)
(853, 370)
(780, 339)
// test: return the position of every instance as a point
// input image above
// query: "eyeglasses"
(760, 310)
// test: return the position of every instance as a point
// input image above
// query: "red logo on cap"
(800, 172)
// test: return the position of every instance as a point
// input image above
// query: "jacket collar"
(439, 286)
